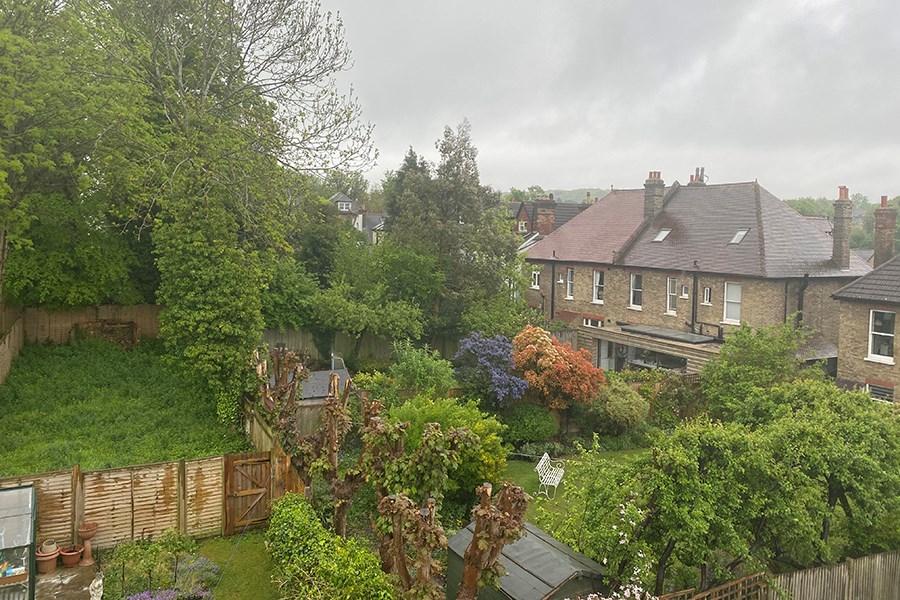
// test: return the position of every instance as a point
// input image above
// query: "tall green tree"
(71, 130)
(241, 93)
(445, 212)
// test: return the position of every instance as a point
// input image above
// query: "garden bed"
(97, 405)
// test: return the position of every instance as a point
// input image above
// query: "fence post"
(848, 587)
(77, 499)
(182, 497)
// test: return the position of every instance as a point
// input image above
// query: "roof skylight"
(661, 235)
(739, 236)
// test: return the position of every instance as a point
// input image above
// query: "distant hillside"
(577, 195)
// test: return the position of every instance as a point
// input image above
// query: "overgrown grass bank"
(100, 406)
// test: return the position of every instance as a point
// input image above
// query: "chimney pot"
(884, 202)
(843, 193)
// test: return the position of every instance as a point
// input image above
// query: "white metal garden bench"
(550, 473)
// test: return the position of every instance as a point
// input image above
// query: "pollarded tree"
(556, 374)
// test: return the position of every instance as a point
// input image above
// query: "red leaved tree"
(557, 374)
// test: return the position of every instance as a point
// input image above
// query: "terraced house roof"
(880, 285)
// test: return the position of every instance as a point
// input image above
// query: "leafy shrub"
(557, 375)
(312, 563)
(146, 569)
(616, 408)
(527, 422)
(484, 367)
(379, 385)
(552, 448)
(486, 462)
(418, 370)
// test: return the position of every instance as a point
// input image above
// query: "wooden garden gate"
(248, 490)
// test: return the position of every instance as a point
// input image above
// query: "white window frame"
(536, 280)
(570, 283)
(872, 355)
(671, 295)
(662, 235)
(707, 296)
(684, 291)
(591, 322)
(345, 206)
(599, 282)
(727, 303)
(639, 290)
(523, 226)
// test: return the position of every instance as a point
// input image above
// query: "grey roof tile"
(880, 285)
(779, 242)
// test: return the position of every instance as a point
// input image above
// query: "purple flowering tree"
(484, 368)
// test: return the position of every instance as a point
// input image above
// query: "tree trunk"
(661, 567)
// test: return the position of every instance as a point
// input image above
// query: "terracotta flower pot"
(48, 547)
(87, 530)
(46, 562)
(71, 554)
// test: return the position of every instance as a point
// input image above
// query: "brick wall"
(763, 301)
(853, 347)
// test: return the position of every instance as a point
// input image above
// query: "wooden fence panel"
(876, 577)
(155, 499)
(108, 501)
(205, 496)
(10, 346)
(54, 503)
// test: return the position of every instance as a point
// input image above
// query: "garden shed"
(538, 567)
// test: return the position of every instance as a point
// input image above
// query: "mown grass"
(245, 567)
(97, 405)
(521, 472)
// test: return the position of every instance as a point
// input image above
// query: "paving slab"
(71, 583)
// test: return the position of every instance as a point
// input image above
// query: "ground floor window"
(617, 357)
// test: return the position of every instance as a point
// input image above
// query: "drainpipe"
(553, 289)
(784, 318)
(694, 297)
(800, 300)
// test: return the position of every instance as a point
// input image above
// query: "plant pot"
(71, 555)
(46, 562)
(87, 530)
(48, 547)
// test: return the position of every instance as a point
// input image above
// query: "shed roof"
(317, 384)
(536, 564)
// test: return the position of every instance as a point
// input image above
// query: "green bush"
(527, 422)
(135, 567)
(554, 449)
(312, 563)
(484, 463)
(616, 408)
(418, 370)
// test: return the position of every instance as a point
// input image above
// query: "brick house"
(543, 216)
(655, 277)
(868, 318)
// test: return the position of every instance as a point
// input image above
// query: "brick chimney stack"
(653, 194)
(545, 221)
(885, 225)
(840, 232)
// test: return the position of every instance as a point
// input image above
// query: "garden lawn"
(97, 405)
(249, 572)
(522, 473)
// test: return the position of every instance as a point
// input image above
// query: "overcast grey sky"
(801, 95)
